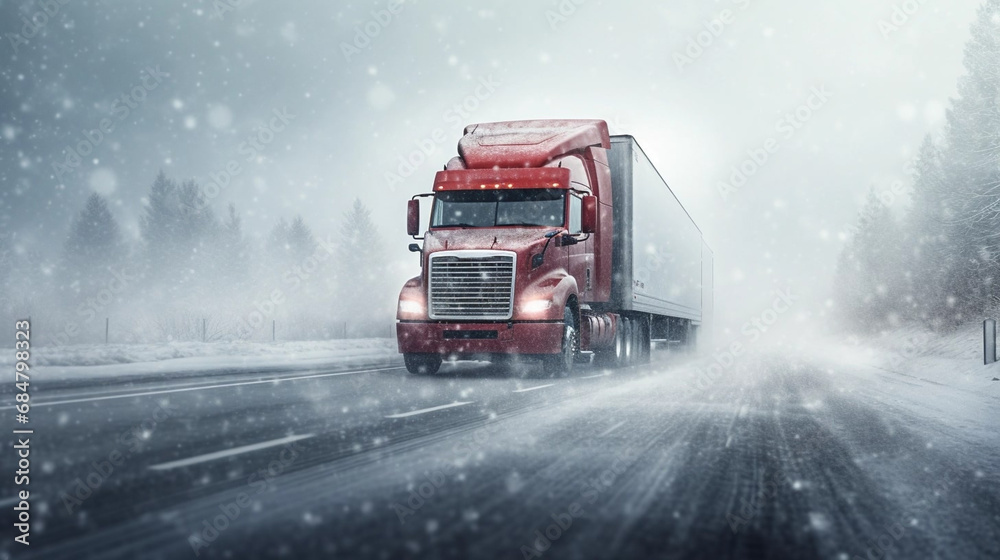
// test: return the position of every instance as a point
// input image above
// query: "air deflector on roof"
(528, 143)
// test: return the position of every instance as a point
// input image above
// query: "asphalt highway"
(780, 456)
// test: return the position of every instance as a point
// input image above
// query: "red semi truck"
(555, 240)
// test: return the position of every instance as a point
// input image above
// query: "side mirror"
(588, 221)
(414, 248)
(413, 218)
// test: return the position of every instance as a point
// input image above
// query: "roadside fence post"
(989, 341)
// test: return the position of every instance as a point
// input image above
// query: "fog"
(358, 90)
(204, 250)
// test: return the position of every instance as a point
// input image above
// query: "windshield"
(520, 207)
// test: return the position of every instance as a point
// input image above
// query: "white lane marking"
(227, 453)
(426, 410)
(201, 387)
(534, 388)
(612, 428)
(596, 376)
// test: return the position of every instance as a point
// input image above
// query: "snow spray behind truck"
(555, 240)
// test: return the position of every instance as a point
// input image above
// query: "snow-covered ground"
(954, 359)
(937, 378)
(112, 360)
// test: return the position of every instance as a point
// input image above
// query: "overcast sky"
(353, 112)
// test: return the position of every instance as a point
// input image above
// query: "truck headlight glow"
(536, 307)
(410, 307)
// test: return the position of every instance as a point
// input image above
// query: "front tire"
(561, 364)
(422, 364)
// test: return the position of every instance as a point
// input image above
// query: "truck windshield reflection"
(518, 207)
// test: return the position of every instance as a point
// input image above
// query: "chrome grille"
(472, 285)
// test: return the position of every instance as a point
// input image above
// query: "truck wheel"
(612, 357)
(643, 342)
(561, 364)
(628, 339)
(422, 364)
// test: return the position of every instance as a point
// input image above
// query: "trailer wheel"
(422, 364)
(644, 342)
(628, 339)
(561, 364)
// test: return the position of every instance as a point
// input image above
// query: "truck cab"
(509, 257)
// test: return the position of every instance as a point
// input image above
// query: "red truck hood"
(521, 241)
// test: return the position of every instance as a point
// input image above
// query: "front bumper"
(464, 339)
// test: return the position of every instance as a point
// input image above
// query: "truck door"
(580, 257)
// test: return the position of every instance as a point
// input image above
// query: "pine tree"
(870, 276)
(94, 245)
(232, 250)
(300, 240)
(179, 231)
(972, 169)
(277, 242)
(363, 290)
(159, 221)
(928, 236)
(195, 230)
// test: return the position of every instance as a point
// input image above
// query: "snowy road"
(780, 457)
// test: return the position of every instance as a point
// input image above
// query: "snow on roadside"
(113, 360)
(953, 359)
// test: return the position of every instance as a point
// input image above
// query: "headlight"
(536, 307)
(410, 307)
